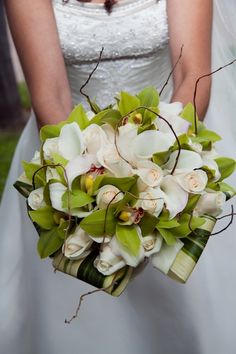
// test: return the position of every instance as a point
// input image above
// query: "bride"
(155, 315)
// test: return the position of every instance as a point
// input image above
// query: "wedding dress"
(155, 315)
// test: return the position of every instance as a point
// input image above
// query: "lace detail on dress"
(135, 28)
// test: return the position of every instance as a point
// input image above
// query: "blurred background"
(15, 103)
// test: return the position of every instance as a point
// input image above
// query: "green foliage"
(32, 169)
(127, 103)
(99, 223)
(44, 217)
(50, 131)
(128, 238)
(188, 114)
(49, 242)
(110, 116)
(149, 97)
(77, 199)
(123, 183)
(148, 224)
(226, 166)
(79, 116)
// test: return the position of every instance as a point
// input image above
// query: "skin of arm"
(34, 31)
(190, 25)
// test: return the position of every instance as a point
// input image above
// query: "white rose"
(152, 244)
(35, 199)
(50, 147)
(107, 262)
(106, 194)
(149, 173)
(210, 203)
(193, 182)
(77, 245)
(152, 200)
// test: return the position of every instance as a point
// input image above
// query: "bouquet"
(138, 181)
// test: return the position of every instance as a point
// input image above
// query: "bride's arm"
(190, 25)
(34, 31)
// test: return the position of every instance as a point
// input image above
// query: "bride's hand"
(190, 26)
(34, 31)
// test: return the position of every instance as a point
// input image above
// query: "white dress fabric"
(155, 315)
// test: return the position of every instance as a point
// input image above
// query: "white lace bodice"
(134, 38)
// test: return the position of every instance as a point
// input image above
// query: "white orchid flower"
(94, 138)
(70, 141)
(50, 147)
(109, 158)
(36, 199)
(193, 182)
(171, 111)
(152, 244)
(164, 259)
(108, 194)
(187, 161)
(130, 259)
(78, 166)
(150, 142)
(210, 203)
(110, 133)
(175, 197)
(126, 134)
(77, 245)
(150, 174)
(152, 200)
(107, 262)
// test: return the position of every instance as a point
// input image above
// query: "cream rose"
(193, 182)
(150, 174)
(107, 262)
(50, 147)
(210, 203)
(152, 244)
(106, 194)
(35, 199)
(77, 245)
(152, 200)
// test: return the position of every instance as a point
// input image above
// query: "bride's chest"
(135, 28)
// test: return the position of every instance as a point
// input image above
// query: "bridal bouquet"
(140, 180)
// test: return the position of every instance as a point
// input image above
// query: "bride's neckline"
(100, 6)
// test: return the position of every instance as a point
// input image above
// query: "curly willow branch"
(196, 88)
(172, 71)
(229, 223)
(85, 295)
(88, 79)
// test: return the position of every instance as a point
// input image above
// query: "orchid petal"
(78, 166)
(212, 165)
(70, 142)
(127, 133)
(187, 161)
(165, 258)
(175, 197)
(150, 142)
(94, 138)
